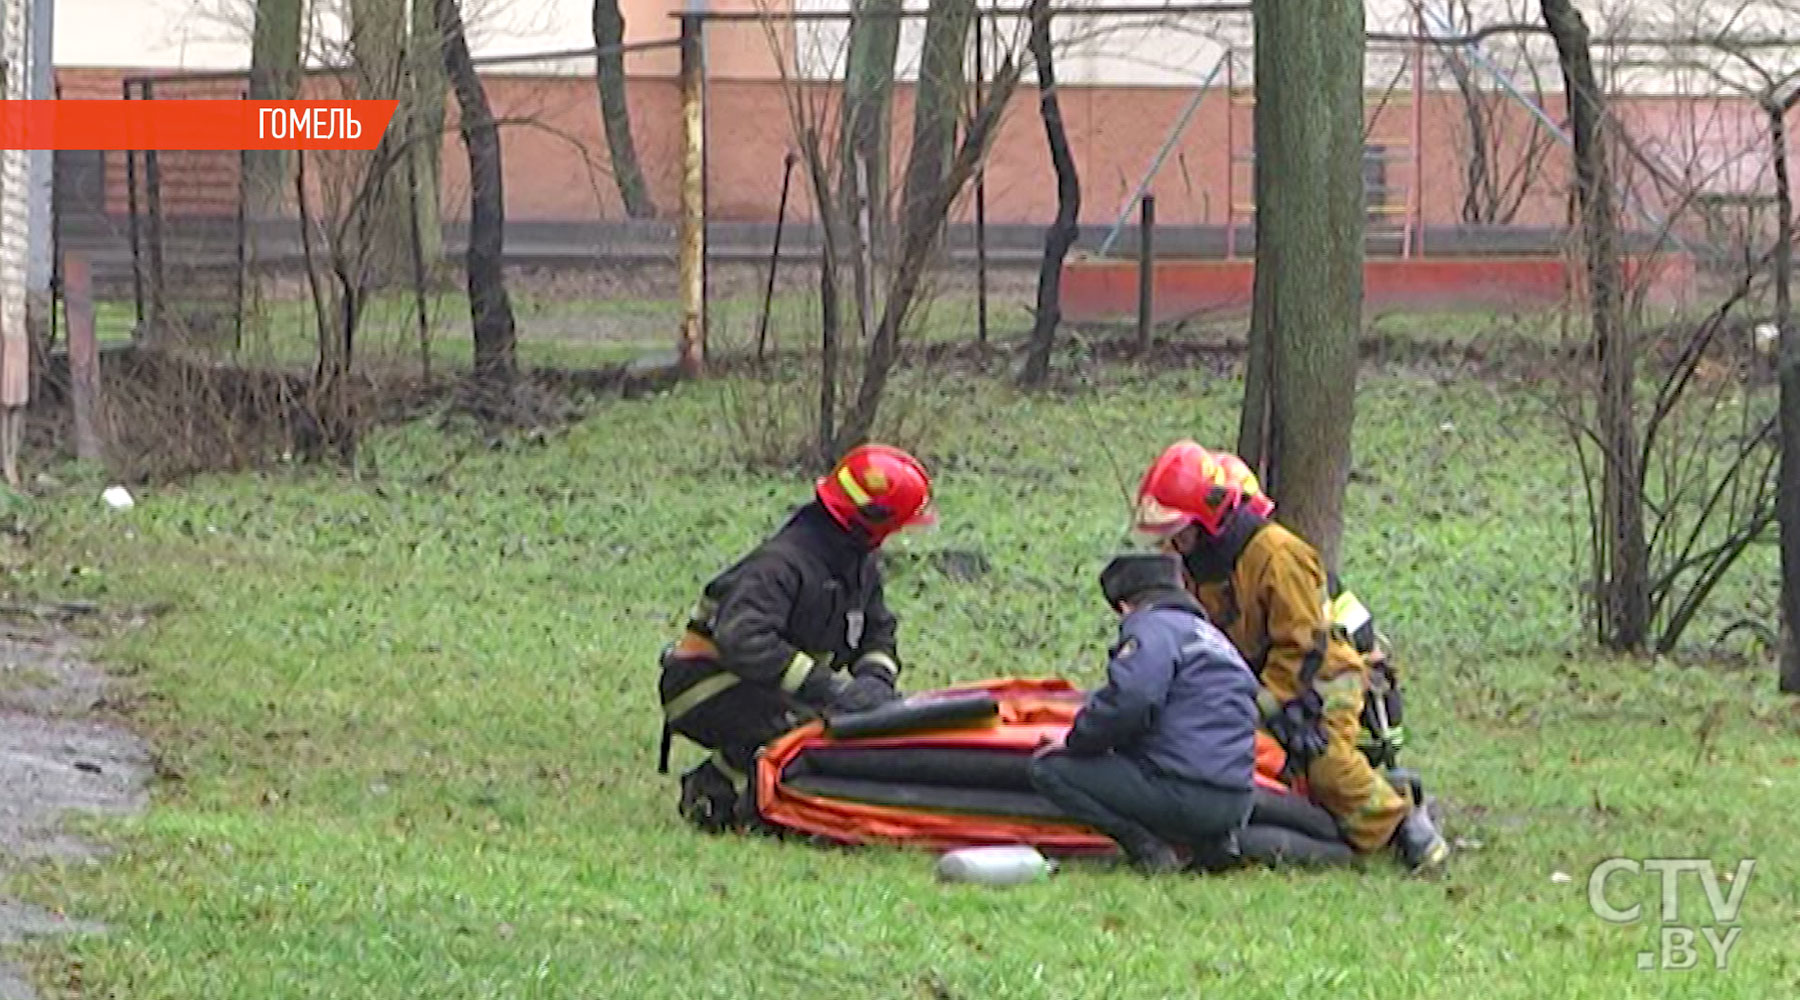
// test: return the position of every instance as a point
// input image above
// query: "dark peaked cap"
(1133, 574)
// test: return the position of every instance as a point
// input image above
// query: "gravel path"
(56, 755)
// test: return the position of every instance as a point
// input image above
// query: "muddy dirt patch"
(57, 755)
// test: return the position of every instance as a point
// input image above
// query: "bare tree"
(275, 46)
(868, 112)
(1788, 366)
(1694, 468)
(936, 172)
(1501, 166)
(1623, 589)
(1064, 230)
(490, 308)
(615, 110)
(427, 90)
(938, 169)
(1300, 380)
(378, 41)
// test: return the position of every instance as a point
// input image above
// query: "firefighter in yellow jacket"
(1266, 588)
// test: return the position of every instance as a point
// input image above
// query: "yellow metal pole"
(692, 348)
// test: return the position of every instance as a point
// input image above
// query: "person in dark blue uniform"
(1164, 754)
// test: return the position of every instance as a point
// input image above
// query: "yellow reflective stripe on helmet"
(852, 488)
(699, 691)
(795, 674)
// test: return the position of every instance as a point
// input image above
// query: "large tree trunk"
(1624, 590)
(427, 91)
(1062, 232)
(274, 76)
(496, 367)
(615, 111)
(1787, 494)
(1300, 392)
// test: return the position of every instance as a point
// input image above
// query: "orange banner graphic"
(181, 124)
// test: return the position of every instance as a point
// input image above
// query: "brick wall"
(556, 159)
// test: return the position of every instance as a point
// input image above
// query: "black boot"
(1214, 856)
(1152, 856)
(708, 799)
(1421, 848)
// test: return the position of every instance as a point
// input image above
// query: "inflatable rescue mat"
(947, 769)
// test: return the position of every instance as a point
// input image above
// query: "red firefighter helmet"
(1238, 471)
(879, 489)
(1186, 485)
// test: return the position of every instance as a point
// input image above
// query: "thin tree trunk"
(1480, 202)
(868, 110)
(1787, 494)
(929, 191)
(428, 90)
(1626, 589)
(496, 365)
(1062, 232)
(825, 446)
(1300, 400)
(275, 42)
(1254, 420)
(939, 103)
(615, 111)
(921, 229)
(378, 30)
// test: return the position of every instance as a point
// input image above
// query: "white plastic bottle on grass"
(1003, 865)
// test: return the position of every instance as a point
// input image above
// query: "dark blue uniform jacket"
(1178, 698)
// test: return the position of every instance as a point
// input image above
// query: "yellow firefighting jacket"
(1275, 607)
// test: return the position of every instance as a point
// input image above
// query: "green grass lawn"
(554, 330)
(408, 726)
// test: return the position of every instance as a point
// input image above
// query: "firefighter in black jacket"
(796, 628)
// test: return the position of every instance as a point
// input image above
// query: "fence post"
(84, 355)
(981, 260)
(1146, 269)
(153, 198)
(692, 349)
(762, 322)
(133, 209)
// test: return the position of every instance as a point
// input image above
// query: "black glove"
(1299, 727)
(864, 693)
(880, 666)
(822, 686)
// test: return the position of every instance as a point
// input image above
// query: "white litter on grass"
(1000, 865)
(1561, 878)
(118, 498)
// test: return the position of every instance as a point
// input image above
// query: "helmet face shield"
(923, 522)
(1154, 522)
(1187, 485)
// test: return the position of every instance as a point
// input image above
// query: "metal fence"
(186, 225)
(713, 114)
